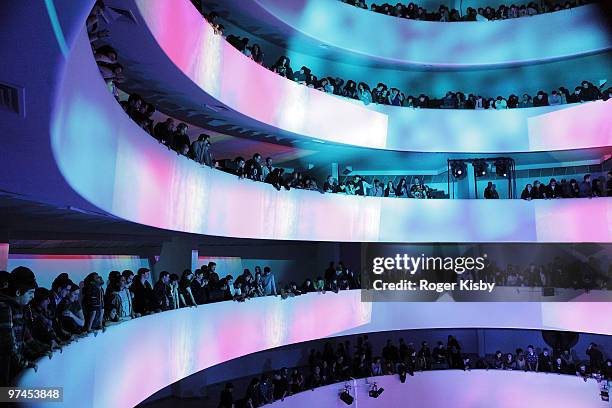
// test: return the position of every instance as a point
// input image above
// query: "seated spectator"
(267, 168)
(532, 359)
(390, 189)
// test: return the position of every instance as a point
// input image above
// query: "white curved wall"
(544, 37)
(458, 389)
(224, 73)
(547, 128)
(117, 167)
(133, 360)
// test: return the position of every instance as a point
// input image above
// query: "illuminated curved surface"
(567, 33)
(169, 346)
(116, 166)
(458, 389)
(237, 82)
(242, 85)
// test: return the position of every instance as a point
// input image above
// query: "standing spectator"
(200, 150)
(93, 301)
(18, 349)
(490, 193)
(175, 299)
(267, 169)
(268, 282)
(532, 359)
(227, 398)
(164, 132)
(545, 363)
(595, 357)
(363, 93)
(144, 301)
(253, 168)
(586, 189)
(163, 291)
(555, 99)
(541, 99)
(501, 103)
(181, 140)
(553, 190)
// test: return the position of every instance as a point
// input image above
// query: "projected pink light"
(169, 346)
(124, 171)
(576, 127)
(458, 389)
(230, 77)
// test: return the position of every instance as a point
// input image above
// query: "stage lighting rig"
(459, 169)
(375, 391)
(501, 167)
(480, 168)
(345, 396)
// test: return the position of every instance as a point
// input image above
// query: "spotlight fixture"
(458, 169)
(375, 391)
(480, 168)
(501, 167)
(345, 396)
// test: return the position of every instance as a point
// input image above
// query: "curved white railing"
(235, 81)
(545, 37)
(133, 360)
(116, 166)
(459, 389)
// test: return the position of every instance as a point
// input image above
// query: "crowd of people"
(413, 11)
(590, 274)
(386, 95)
(588, 188)
(344, 361)
(173, 135)
(36, 321)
